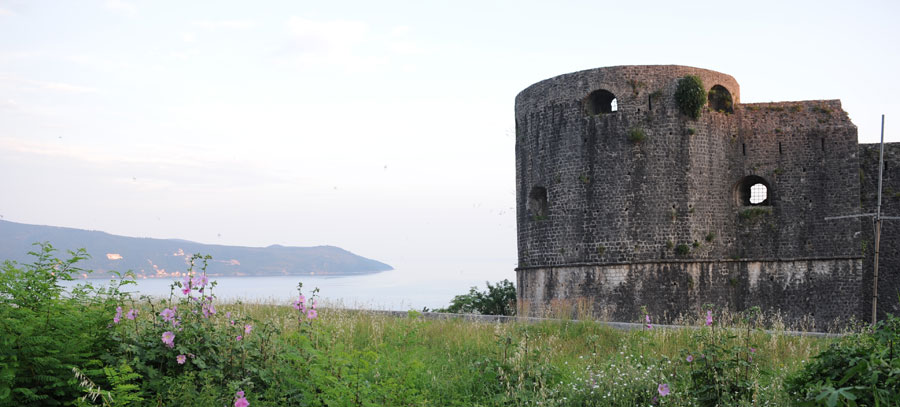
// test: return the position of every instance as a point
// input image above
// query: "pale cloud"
(4, 12)
(10, 79)
(341, 44)
(122, 6)
(188, 37)
(64, 87)
(8, 104)
(224, 24)
(330, 37)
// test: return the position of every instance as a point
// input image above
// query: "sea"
(409, 287)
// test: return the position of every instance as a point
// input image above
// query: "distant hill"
(167, 258)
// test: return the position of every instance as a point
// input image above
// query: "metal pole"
(878, 227)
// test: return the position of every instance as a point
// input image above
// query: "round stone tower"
(624, 201)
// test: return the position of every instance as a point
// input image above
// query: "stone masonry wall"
(673, 198)
(823, 291)
(889, 256)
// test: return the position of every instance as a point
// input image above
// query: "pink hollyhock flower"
(186, 285)
(312, 314)
(248, 328)
(708, 318)
(647, 318)
(168, 338)
(228, 315)
(132, 314)
(313, 303)
(199, 281)
(240, 400)
(181, 359)
(239, 337)
(118, 316)
(663, 389)
(167, 314)
(302, 299)
(690, 358)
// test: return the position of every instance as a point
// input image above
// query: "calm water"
(390, 290)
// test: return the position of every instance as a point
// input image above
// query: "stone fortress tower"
(624, 201)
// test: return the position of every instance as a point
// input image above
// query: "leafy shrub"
(188, 352)
(861, 369)
(499, 299)
(636, 135)
(682, 249)
(690, 96)
(45, 334)
(751, 214)
(721, 368)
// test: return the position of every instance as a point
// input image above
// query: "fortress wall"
(611, 199)
(825, 291)
(591, 201)
(807, 152)
(889, 256)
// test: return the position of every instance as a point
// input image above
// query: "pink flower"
(663, 389)
(300, 303)
(240, 400)
(312, 314)
(690, 358)
(199, 281)
(118, 316)
(248, 328)
(181, 359)
(239, 337)
(228, 315)
(313, 304)
(186, 285)
(708, 318)
(168, 338)
(132, 314)
(647, 318)
(167, 314)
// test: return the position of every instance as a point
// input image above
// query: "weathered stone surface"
(619, 223)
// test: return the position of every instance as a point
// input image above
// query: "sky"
(385, 128)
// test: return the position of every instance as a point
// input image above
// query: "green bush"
(499, 299)
(636, 135)
(861, 369)
(45, 334)
(690, 96)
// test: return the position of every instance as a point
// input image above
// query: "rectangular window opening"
(779, 149)
(744, 148)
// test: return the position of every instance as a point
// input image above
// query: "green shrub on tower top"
(690, 96)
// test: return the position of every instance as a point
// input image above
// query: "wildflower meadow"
(102, 346)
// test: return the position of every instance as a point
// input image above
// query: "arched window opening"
(537, 203)
(758, 194)
(753, 190)
(720, 100)
(601, 101)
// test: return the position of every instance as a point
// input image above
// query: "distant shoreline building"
(624, 201)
